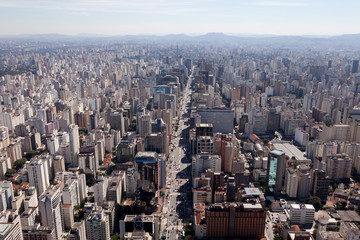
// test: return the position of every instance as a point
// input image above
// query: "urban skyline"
(179, 120)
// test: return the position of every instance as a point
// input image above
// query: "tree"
(90, 181)
(315, 201)
(30, 154)
(278, 238)
(265, 141)
(115, 237)
(18, 164)
(341, 205)
(83, 131)
(10, 172)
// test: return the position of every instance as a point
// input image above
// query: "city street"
(177, 201)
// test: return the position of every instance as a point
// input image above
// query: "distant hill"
(347, 41)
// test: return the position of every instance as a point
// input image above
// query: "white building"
(291, 183)
(74, 143)
(100, 190)
(302, 214)
(50, 210)
(203, 162)
(97, 225)
(38, 175)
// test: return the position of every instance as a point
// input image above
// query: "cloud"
(79, 13)
(280, 4)
(87, 7)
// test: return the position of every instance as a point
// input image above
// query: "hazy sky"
(120, 17)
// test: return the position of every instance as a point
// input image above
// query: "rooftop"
(290, 150)
(4, 228)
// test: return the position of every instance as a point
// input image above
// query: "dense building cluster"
(159, 141)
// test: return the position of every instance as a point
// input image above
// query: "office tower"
(110, 210)
(59, 164)
(231, 189)
(321, 184)
(131, 181)
(31, 198)
(6, 195)
(38, 175)
(100, 190)
(276, 172)
(204, 129)
(204, 145)
(303, 173)
(291, 183)
(146, 164)
(74, 144)
(146, 223)
(116, 121)
(38, 232)
(235, 220)
(10, 227)
(355, 66)
(94, 120)
(50, 210)
(78, 231)
(144, 124)
(114, 191)
(302, 214)
(68, 215)
(97, 225)
(157, 142)
(228, 157)
(221, 119)
(162, 171)
(203, 162)
(70, 192)
(62, 94)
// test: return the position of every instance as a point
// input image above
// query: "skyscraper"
(74, 143)
(38, 175)
(240, 221)
(355, 66)
(50, 210)
(97, 225)
(276, 172)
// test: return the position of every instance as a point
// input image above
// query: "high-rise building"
(147, 171)
(339, 166)
(10, 227)
(321, 184)
(144, 125)
(78, 231)
(162, 171)
(134, 223)
(50, 210)
(38, 232)
(291, 183)
(68, 215)
(233, 220)
(276, 172)
(74, 144)
(355, 66)
(59, 164)
(302, 214)
(131, 181)
(114, 191)
(97, 225)
(100, 190)
(6, 195)
(38, 175)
